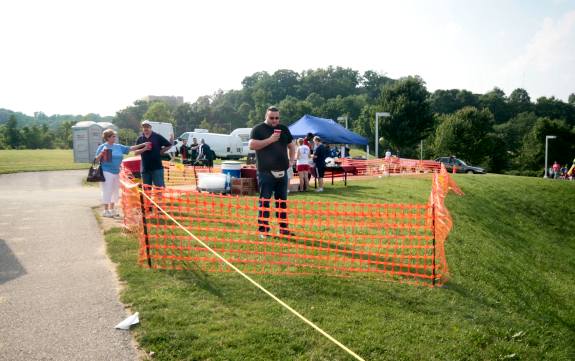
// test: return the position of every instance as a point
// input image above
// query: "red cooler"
(133, 165)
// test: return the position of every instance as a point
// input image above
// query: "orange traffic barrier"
(396, 242)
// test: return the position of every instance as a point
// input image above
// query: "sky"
(81, 56)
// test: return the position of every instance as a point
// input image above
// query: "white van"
(166, 130)
(244, 134)
(225, 146)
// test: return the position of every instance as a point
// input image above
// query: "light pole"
(377, 115)
(547, 137)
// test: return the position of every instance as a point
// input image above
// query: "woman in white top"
(302, 163)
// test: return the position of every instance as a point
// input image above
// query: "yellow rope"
(317, 328)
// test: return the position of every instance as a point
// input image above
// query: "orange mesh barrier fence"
(179, 174)
(393, 165)
(442, 222)
(397, 242)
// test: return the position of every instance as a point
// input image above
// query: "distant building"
(172, 101)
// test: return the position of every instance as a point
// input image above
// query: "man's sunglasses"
(274, 118)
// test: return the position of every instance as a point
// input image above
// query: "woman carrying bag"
(110, 156)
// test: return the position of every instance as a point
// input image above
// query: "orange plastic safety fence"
(186, 175)
(392, 165)
(180, 174)
(442, 184)
(399, 242)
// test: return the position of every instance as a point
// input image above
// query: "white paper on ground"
(129, 321)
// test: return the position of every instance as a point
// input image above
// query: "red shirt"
(556, 167)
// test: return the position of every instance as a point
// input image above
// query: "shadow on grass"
(198, 277)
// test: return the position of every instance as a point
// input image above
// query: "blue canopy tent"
(328, 130)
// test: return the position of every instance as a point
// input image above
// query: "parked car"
(460, 166)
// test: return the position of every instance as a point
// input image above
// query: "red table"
(339, 169)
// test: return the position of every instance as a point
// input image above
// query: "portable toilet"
(86, 137)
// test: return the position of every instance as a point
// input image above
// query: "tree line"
(503, 133)
(21, 131)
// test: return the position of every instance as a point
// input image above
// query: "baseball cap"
(146, 122)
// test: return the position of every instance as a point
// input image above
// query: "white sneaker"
(107, 213)
(115, 213)
(319, 190)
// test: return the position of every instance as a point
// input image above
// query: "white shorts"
(110, 188)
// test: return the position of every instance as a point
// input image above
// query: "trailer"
(225, 146)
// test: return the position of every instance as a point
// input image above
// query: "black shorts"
(320, 171)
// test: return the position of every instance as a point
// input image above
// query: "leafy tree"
(519, 101)
(131, 117)
(467, 99)
(284, 83)
(411, 120)
(212, 127)
(373, 83)
(449, 101)
(561, 149)
(46, 137)
(571, 99)
(63, 138)
(3, 144)
(31, 137)
(496, 102)
(465, 134)
(292, 109)
(520, 96)
(159, 112)
(127, 136)
(184, 119)
(365, 124)
(12, 134)
(444, 101)
(513, 132)
(329, 82)
(554, 108)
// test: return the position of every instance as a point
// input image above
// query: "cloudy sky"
(80, 56)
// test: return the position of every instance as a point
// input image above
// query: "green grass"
(511, 295)
(28, 160)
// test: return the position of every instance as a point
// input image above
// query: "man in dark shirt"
(194, 150)
(321, 153)
(271, 141)
(151, 166)
(205, 155)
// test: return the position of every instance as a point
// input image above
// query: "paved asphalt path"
(58, 294)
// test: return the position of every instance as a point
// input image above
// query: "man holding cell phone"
(275, 153)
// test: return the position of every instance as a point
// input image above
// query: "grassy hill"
(33, 160)
(511, 295)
